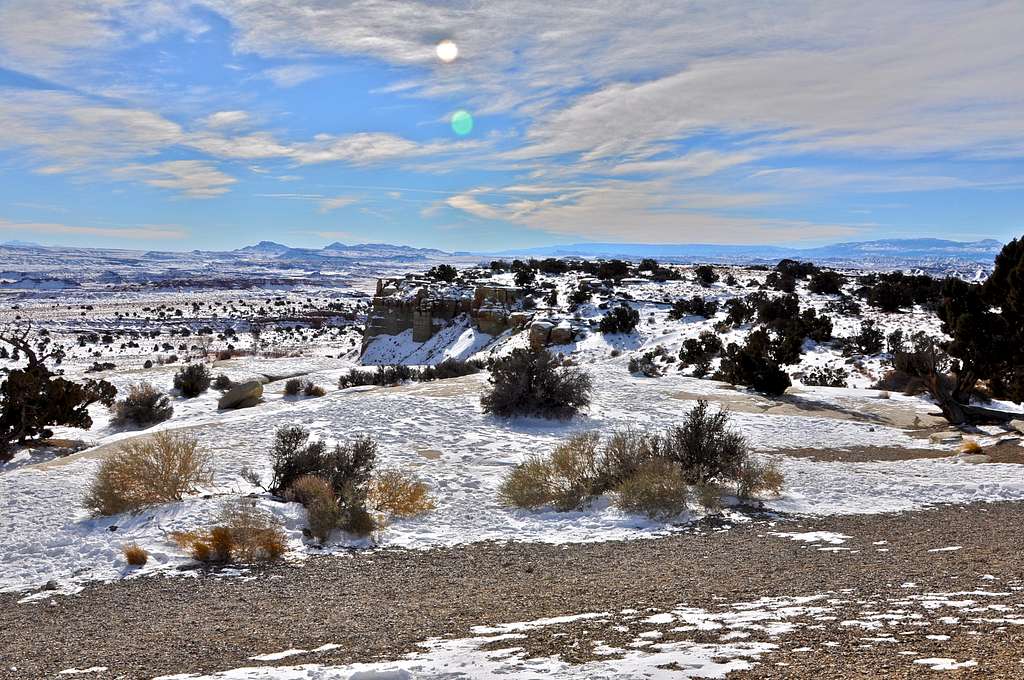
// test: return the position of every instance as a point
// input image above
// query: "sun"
(447, 51)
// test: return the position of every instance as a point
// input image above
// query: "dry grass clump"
(527, 485)
(648, 474)
(657, 489)
(293, 387)
(398, 494)
(317, 496)
(757, 477)
(244, 534)
(297, 386)
(360, 501)
(143, 405)
(313, 390)
(134, 554)
(146, 472)
(971, 447)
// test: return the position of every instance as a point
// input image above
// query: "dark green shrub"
(699, 352)
(621, 319)
(706, 274)
(192, 380)
(34, 399)
(533, 384)
(752, 365)
(826, 376)
(143, 405)
(443, 272)
(695, 306)
(826, 282)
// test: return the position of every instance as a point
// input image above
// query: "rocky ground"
(875, 596)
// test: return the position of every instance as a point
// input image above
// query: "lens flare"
(462, 122)
(447, 51)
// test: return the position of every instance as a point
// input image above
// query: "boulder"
(518, 319)
(560, 334)
(244, 395)
(945, 437)
(1017, 425)
(539, 333)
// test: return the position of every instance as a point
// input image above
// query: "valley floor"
(758, 595)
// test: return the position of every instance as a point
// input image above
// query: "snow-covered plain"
(438, 432)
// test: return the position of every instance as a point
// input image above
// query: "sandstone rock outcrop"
(245, 395)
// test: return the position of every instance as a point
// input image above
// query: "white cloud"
(622, 211)
(329, 204)
(141, 233)
(222, 119)
(293, 74)
(195, 179)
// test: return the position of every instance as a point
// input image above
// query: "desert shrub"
(449, 368)
(757, 476)
(772, 311)
(532, 383)
(705, 274)
(699, 352)
(322, 511)
(971, 447)
(146, 472)
(695, 306)
(869, 341)
(650, 473)
(709, 496)
(705, 447)
(782, 281)
(622, 456)
(621, 319)
(579, 296)
(826, 283)
(311, 389)
(566, 479)
(443, 272)
(527, 485)
(739, 312)
(826, 376)
(382, 376)
(192, 380)
(293, 455)
(647, 363)
(244, 533)
(134, 554)
(397, 494)
(796, 269)
(347, 469)
(143, 405)
(752, 365)
(33, 399)
(222, 383)
(657, 489)
(895, 291)
(293, 386)
(844, 305)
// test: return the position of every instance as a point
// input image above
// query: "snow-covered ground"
(438, 432)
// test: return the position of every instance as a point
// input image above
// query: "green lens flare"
(462, 122)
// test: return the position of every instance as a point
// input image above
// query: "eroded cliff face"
(426, 306)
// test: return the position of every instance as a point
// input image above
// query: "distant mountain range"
(271, 249)
(924, 250)
(882, 253)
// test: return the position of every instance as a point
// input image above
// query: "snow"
(47, 535)
(814, 536)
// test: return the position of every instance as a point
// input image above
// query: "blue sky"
(215, 124)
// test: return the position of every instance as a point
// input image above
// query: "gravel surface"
(379, 605)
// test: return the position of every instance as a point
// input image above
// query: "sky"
(214, 124)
